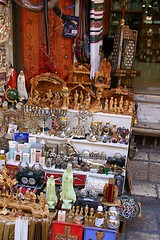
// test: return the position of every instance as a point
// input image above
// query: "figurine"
(86, 209)
(106, 105)
(72, 212)
(21, 87)
(111, 104)
(12, 77)
(87, 101)
(126, 105)
(121, 104)
(130, 109)
(115, 105)
(81, 98)
(33, 197)
(46, 213)
(77, 210)
(96, 106)
(51, 192)
(49, 95)
(27, 196)
(65, 96)
(42, 199)
(91, 215)
(68, 194)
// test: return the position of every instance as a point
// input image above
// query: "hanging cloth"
(82, 47)
(96, 34)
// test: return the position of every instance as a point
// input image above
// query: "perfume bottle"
(99, 217)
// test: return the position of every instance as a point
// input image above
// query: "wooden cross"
(66, 235)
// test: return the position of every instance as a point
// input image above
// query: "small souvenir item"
(113, 222)
(68, 194)
(22, 92)
(18, 156)
(51, 193)
(99, 217)
(5, 105)
(61, 215)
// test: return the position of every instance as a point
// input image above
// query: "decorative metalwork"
(79, 130)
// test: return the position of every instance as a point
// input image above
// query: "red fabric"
(35, 57)
(60, 58)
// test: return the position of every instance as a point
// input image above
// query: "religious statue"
(110, 193)
(12, 77)
(51, 197)
(49, 95)
(68, 194)
(76, 97)
(21, 87)
(87, 101)
(65, 96)
(96, 106)
(104, 73)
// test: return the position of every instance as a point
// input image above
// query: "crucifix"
(66, 235)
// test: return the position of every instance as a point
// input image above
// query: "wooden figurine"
(91, 215)
(72, 212)
(115, 105)
(106, 107)
(86, 209)
(77, 210)
(111, 104)
(65, 95)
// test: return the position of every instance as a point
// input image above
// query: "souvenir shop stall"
(65, 128)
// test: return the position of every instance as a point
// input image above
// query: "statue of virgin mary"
(21, 87)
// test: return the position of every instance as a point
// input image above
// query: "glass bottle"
(113, 222)
(99, 217)
(2, 159)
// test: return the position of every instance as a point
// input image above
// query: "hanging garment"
(96, 34)
(82, 47)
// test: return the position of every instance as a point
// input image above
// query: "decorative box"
(94, 233)
(21, 137)
(65, 230)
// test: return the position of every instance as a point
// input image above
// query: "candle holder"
(79, 130)
(95, 131)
